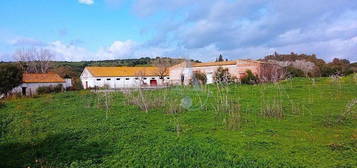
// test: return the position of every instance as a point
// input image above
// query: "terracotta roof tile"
(214, 63)
(123, 71)
(42, 78)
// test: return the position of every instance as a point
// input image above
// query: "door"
(209, 78)
(153, 83)
(86, 85)
(24, 91)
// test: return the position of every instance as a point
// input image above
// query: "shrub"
(222, 76)
(199, 78)
(44, 89)
(294, 72)
(58, 88)
(273, 110)
(50, 89)
(250, 78)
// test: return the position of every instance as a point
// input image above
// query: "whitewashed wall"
(88, 81)
(31, 88)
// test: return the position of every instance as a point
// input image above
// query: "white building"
(122, 77)
(183, 73)
(31, 82)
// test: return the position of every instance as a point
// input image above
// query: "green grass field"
(296, 123)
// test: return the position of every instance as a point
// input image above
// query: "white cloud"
(117, 50)
(87, 2)
(69, 52)
(253, 29)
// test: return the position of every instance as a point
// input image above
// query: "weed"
(227, 109)
(2, 104)
(273, 110)
(351, 109)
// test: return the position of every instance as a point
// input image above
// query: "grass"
(296, 123)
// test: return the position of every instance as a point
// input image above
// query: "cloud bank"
(203, 29)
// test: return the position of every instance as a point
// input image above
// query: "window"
(152, 78)
(109, 79)
(126, 78)
(118, 78)
(136, 78)
(99, 79)
(161, 77)
(145, 78)
(168, 78)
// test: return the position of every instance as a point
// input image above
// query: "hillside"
(296, 123)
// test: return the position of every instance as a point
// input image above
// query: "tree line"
(303, 65)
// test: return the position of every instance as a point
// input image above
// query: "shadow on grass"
(59, 150)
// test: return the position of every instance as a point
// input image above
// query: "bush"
(50, 89)
(250, 78)
(44, 89)
(58, 88)
(294, 72)
(199, 78)
(222, 76)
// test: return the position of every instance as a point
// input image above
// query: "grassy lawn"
(296, 123)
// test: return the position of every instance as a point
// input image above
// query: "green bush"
(50, 89)
(10, 77)
(222, 76)
(250, 78)
(294, 72)
(58, 88)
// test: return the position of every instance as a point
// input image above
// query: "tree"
(271, 72)
(163, 65)
(306, 66)
(286, 60)
(222, 76)
(220, 58)
(10, 77)
(34, 60)
(309, 68)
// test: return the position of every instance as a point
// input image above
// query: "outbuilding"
(32, 81)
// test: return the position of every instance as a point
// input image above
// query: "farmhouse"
(32, 81)
(122, 77)
(183, 73)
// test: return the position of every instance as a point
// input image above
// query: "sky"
(76, 30)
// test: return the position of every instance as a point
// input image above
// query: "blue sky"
(202, 29)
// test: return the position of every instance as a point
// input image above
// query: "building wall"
(210, 70)
(31, 88)
(243, 66)
(89, 81)
(68, 83)
(238, 70)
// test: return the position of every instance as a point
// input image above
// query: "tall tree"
(10, 77)
(220, 58)
(34, 60)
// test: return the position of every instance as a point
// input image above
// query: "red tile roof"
(123, 71)
(42, 78)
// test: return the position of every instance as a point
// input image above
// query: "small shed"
(32, 81)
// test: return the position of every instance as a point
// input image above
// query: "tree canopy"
(10, 77)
